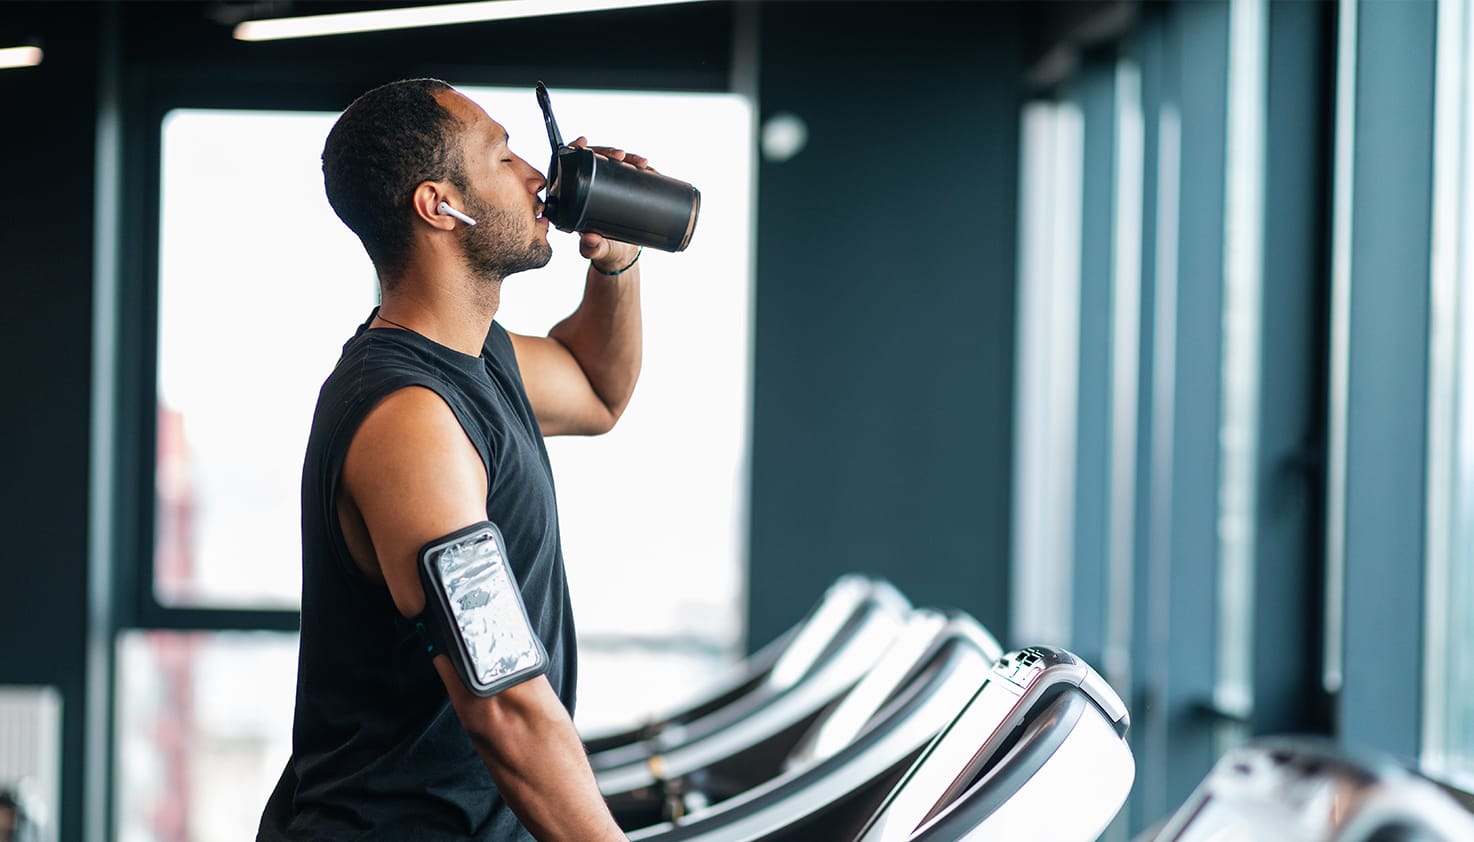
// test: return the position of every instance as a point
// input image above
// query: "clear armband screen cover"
(472, 599)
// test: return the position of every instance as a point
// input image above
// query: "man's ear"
(426, 202)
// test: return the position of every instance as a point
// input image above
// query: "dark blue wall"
(885, 306)
(46, 166)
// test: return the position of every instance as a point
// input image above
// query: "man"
(431, 422)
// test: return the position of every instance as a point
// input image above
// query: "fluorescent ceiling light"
(20, 56)
(344, 23)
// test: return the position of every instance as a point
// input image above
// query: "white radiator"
(30, 752)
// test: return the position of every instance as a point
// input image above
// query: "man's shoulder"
(377, 348)
(375, 362)
(370, 371)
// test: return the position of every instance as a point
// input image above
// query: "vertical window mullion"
(1440, 751)
(1048, 317)
(1239, 408)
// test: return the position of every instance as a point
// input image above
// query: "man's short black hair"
(383, 145)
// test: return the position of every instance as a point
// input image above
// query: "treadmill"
(1039, 753)
(753, 748)
(797, 648)
(842, 768)
(1312, 790)
(839, 639)
(920, 642)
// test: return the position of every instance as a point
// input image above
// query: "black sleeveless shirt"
(377, 750)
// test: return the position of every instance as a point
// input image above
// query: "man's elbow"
(599, 420)
(605, 422)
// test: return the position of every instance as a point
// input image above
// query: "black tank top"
(377, 750)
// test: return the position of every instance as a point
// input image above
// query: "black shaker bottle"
(587, 192)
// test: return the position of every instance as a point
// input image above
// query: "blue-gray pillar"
(1148, 48)
(1381, 699)
(1095, 93)
(1184, 633)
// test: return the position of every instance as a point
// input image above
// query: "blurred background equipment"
(1309, 789)
(30, 763)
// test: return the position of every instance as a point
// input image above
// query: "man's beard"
(493, 250)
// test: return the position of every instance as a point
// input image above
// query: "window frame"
(140, 608)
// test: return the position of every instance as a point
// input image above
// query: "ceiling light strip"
(20, 56)
(344, 23)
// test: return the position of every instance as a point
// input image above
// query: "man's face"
(510, 234)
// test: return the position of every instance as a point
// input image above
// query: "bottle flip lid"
(546, 103)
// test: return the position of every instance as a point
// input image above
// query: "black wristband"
(618, 272)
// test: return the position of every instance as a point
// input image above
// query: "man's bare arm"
(580, 377)
(411, 476)
(529, 744)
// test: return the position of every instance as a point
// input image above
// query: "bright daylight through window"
(259, 286)
(1448, 732)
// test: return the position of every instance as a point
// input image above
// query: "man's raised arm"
(580, 377)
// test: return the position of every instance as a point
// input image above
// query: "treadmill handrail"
(794, 651)
(818, 636)
(857, 616)
(800, 792)
(926, 632)
(821, 687)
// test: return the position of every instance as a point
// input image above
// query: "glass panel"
(1449, 685)
(1239, 414)
(1052, 155)
(204, 727)
(259, 284)
(1126, 237)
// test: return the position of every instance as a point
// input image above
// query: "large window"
(1052, 134)
(259, 286)
(204, 726)
(1448, 733)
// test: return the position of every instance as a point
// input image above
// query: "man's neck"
(456, 314)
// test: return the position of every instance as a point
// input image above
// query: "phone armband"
(474, 612)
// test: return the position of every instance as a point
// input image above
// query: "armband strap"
(422, 634)
(474, 613)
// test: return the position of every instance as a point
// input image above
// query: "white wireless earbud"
(450, 211)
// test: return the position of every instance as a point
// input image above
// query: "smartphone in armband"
(474, 612)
